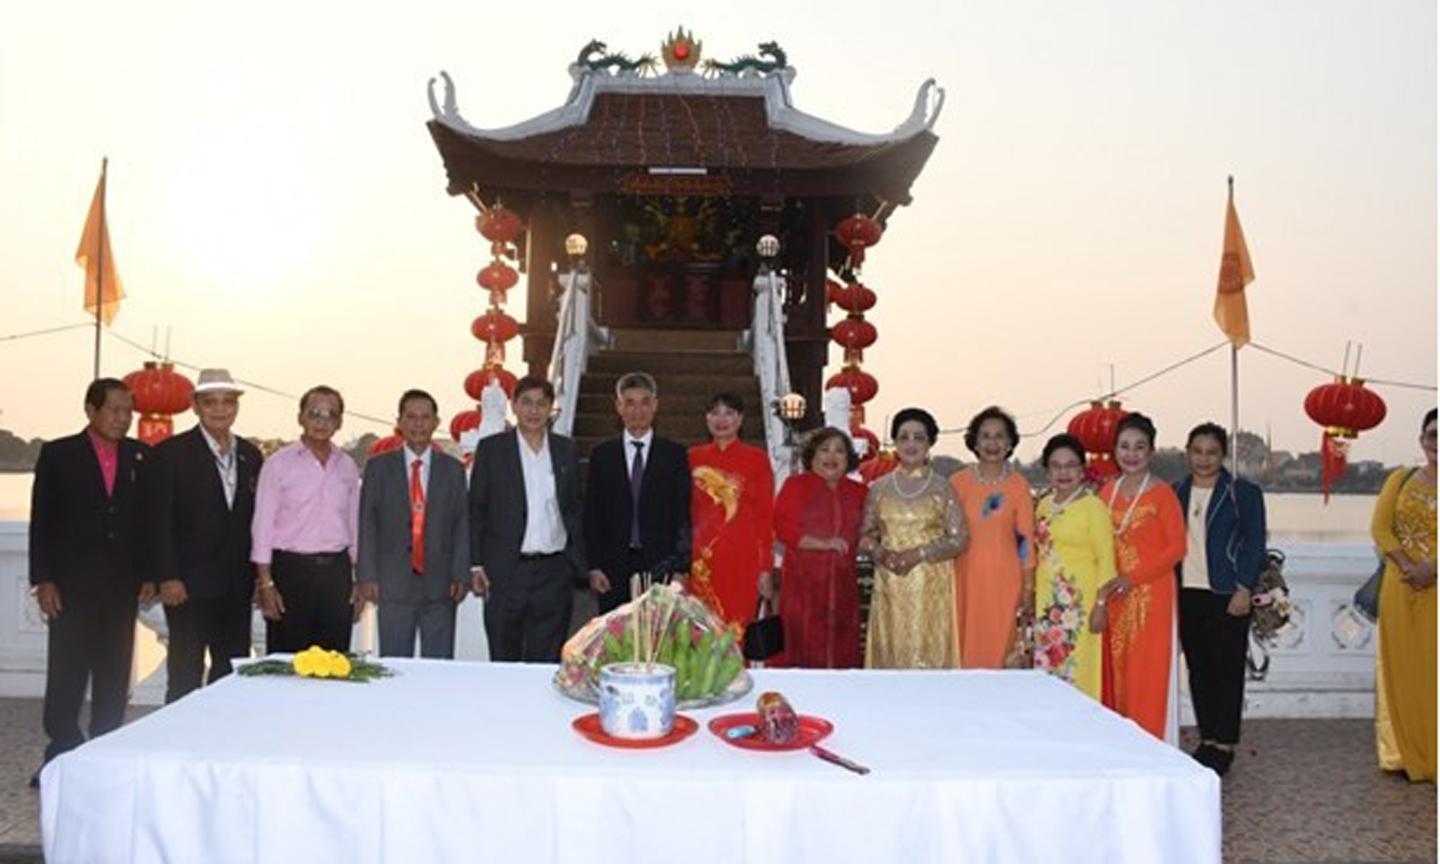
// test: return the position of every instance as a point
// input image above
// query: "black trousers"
(219, 625)
(90, 642)
(1214, 643)
(528, 612)
(316, 591)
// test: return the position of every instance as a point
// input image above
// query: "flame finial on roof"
(681, 51)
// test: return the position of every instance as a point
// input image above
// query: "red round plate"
(589, 726)
(812, 729)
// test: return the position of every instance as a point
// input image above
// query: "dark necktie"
(637, 477)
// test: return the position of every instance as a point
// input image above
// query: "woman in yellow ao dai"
(1075, 551)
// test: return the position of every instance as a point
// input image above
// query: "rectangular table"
(452, 761)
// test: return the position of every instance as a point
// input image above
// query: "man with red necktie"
(414, 560)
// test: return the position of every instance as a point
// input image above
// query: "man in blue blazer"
(203, 504)
(88, 563)
(527, 544)
(414, 555)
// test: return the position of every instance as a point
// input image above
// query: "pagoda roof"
(741, 132)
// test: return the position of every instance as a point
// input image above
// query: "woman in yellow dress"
(913, 528)
(1075, 551)
(1404, 531)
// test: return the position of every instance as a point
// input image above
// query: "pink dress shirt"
(304, 506)
(109, 456)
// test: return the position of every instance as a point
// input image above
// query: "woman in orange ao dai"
(995, 577)
(1140, 673)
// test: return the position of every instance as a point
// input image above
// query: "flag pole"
(100, 255)
(1234, 379)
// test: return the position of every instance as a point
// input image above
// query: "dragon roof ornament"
(766, 74)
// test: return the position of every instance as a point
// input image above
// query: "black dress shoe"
(1205, 754)
(1222, 760)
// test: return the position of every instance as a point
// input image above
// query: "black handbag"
(765, 636)
(1367, 596)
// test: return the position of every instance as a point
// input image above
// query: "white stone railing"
(23, 635)
(577, 336)
(1322, 665)
(766, 341)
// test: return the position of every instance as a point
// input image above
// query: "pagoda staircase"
(690, 367)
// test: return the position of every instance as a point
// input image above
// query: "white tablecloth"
(475, 762)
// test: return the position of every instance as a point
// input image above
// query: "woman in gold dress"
(1404, 531)
(913, 529)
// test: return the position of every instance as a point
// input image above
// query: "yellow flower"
(338, 665)
(311, 663)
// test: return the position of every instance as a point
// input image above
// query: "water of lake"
(1293, 518)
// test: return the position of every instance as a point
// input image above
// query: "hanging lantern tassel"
(1333, 452)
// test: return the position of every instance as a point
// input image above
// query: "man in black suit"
(414, 499)
(637, 499)
(87, 566)
(527, 544)
(203, 503)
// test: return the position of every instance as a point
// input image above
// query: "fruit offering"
(778, 722)
(663, 626)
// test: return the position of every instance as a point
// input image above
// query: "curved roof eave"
(780, 111)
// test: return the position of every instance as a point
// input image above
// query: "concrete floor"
(1300, 791)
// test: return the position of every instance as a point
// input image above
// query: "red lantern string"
(501, 226)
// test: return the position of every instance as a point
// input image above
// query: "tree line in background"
(1274, 470)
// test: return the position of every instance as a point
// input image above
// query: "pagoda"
(672, 169)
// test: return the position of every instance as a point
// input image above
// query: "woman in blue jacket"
(1224, 553)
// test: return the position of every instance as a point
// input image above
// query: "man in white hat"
(204, 503)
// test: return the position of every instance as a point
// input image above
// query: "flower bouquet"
(662, 626)
(316, 662)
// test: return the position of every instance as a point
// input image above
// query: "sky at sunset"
(276, 201)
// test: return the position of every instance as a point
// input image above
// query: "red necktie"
(417, 518)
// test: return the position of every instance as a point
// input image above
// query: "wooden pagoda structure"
(672, 168)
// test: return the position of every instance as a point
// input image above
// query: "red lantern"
(476, 381)
(1096, 425)
(861, 384)
(853, 297)
(499, 225)
(494, 326)
(464, 422)
(497, 276)
(854, 333)
(1346, 407)
(858, 233)
(159, 389)
(387, 444)
(160, 392)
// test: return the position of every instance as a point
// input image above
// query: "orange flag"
(102, 280)
(1235, 273)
